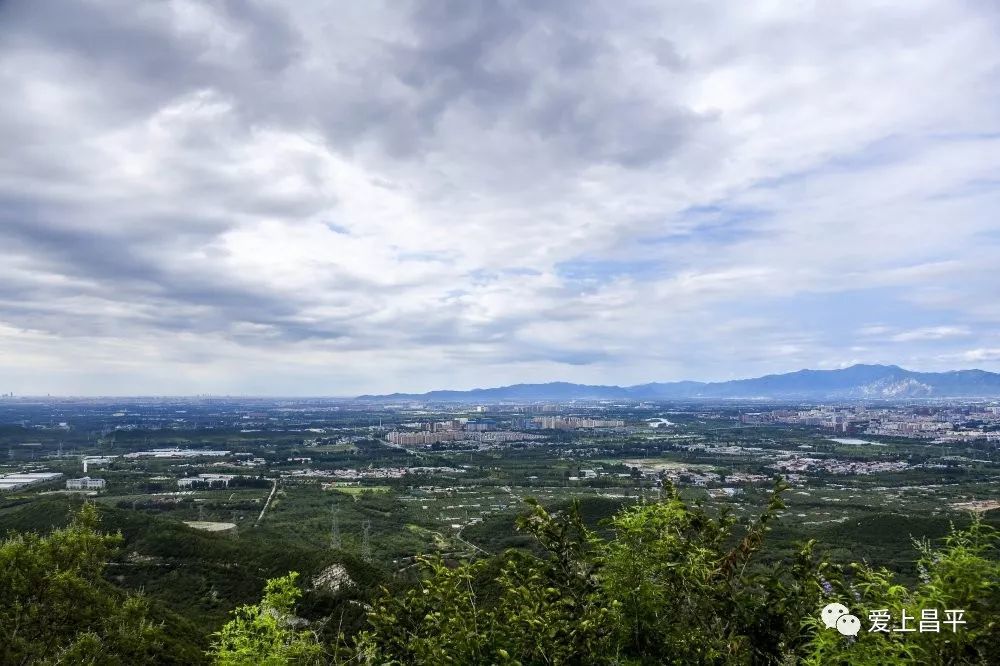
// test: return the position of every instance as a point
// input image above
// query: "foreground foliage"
(672, 586)
(671, 583)
(57, 608)
(963, 574)
(266, 633)
(675, 585)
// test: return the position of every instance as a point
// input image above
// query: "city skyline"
(276, 201)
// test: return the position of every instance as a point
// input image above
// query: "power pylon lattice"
(335, 528)
(366, 542)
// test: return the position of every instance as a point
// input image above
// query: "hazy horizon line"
(288, 396)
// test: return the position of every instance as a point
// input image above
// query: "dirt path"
(267, 503)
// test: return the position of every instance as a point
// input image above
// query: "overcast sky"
(333, 198)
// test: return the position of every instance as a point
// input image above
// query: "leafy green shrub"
(962, 574)
(56, 607)
(265, 633)
(673, 585)
(676, 585)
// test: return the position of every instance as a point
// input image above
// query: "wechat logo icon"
(832, 613)
(839, 617)
(849, 625)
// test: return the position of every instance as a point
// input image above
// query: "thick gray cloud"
(274, 197)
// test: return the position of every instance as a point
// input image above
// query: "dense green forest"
(657, 582)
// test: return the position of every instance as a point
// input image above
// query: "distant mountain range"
(875, 382)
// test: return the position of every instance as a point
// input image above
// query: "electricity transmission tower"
(335, 528)
(366, 542)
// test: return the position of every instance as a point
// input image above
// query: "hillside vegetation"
(661, 582)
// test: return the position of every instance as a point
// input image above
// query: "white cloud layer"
(296, 198)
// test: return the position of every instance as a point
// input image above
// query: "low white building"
(85, 483)
(24, 480)
(207, 479)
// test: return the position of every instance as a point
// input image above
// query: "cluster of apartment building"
(425, 437)
(938, 422)
(573, 422)
(835, 419)
(909, 427)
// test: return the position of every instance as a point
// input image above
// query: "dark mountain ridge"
(874, 382)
